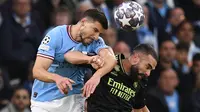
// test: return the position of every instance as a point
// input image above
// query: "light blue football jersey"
(54, 45)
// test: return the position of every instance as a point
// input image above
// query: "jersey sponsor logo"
(46, 40)
(44, 47)
(120, 90)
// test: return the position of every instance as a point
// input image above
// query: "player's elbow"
(108, 56)
(112, 60)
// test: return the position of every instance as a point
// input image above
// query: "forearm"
(76, 57)
(40, 70)
(43, 75)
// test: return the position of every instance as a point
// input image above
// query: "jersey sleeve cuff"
(45, 56)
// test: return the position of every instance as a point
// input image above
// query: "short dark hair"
(178, 28)
(146, 49)
(196, 57)
(182, 47)
(97, 15)
(19, 88)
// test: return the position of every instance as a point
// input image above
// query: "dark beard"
(134, 73)
(82, 41)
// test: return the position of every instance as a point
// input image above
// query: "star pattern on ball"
(124, 6)
(125, 21)
(138, 14)
(134, 28)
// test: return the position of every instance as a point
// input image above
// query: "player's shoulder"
(57, 30)
(98, 41)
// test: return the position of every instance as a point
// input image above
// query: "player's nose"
(148, 73)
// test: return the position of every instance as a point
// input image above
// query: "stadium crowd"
(171, 26)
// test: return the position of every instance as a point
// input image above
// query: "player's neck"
(74, 31)
(126, 65)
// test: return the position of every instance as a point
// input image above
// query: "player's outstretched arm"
(76, 57)
(109, 63)
(40, 72)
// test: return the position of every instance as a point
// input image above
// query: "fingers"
(98, 61)
(63, 85)
(60, 89)
(90, 86)
(93, 89)
(84, 91)
(68, 83)
(70, 80)
(88, 90)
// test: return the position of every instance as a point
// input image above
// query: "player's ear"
(83, 21)
(136, 58)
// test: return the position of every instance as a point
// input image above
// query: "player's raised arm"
(76, 57)
(109, 63)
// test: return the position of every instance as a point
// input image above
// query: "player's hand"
(90, 86)
(63, 84)
(95, 66)
(96, 62)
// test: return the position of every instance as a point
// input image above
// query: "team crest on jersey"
(135, 84)
(46, 40)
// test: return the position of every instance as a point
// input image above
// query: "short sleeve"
(50, 43)
(97, 45)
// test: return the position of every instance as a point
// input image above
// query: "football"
(129, 15)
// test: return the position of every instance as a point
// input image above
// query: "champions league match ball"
(129, 15)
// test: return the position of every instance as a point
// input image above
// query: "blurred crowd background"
(171, 26)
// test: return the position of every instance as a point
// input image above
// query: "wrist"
(54, 77)
(89, 59)
(97, 75)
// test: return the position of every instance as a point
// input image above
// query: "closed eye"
(96, 30)
(149, 67)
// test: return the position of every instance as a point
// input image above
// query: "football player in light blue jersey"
(53, 75)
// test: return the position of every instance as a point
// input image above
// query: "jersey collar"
(120, 57)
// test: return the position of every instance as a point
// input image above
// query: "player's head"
(143, 60)
(93, 24)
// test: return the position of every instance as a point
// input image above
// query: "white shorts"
(72, 103)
